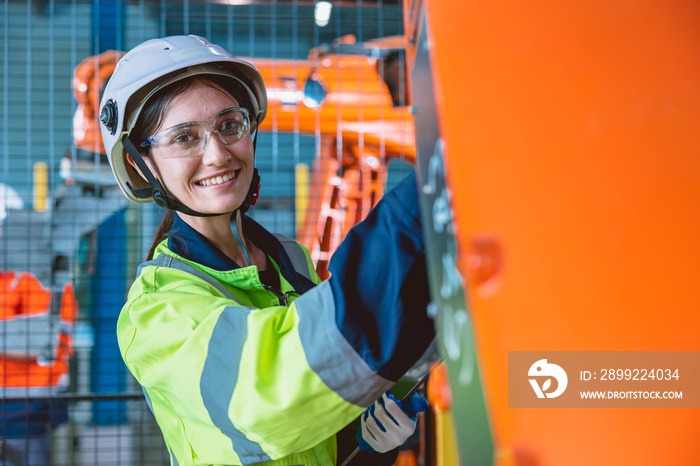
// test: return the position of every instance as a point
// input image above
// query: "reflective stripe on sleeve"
(330, 355)
(29, 335)
(15, 392)
(219, 377)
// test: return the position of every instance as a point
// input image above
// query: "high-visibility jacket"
(36, 334)
(239, 374)
(36, 342)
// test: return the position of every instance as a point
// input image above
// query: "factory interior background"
(67, 223)
(555, 146)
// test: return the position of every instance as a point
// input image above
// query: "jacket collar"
(188, 243)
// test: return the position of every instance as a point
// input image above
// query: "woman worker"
(243, 356)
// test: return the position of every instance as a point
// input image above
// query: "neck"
(218, 231)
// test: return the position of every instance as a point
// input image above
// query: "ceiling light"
(322, 13)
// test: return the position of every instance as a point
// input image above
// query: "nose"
(215, 152)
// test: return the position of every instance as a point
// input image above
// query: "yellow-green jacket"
(239, 374)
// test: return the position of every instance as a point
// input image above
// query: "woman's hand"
(387, 423)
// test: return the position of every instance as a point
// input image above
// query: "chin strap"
(165, 200)
(238, 234)
(254, 190)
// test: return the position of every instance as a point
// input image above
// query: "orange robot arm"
(340, 96)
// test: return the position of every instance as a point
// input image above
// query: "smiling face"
(217, 181)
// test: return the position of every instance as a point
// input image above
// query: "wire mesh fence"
(70, 243)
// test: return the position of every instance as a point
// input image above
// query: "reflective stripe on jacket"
(235, 377)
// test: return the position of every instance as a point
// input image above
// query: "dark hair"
(153, 113)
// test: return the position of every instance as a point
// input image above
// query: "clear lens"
(190, 139)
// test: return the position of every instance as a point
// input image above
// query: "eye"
(230, 126)
(183, 137)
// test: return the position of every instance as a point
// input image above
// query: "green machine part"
(449, 306)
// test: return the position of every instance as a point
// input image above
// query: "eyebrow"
(188, 123)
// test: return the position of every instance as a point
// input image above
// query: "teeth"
(216, 180)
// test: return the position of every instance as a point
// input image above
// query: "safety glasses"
(190, 139)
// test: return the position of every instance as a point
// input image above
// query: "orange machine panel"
(571, 141)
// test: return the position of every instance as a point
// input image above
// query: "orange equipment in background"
(568, 133)
(37, 337)
(352, 98)
(89, 79)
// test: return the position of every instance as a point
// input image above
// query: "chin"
(218, 207)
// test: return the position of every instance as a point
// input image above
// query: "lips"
(219, 179)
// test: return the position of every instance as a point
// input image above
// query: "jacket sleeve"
(380, 285)
(373, 308)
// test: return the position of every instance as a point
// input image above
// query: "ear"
(138, 170)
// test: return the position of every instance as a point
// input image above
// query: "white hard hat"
(9, 199)
(149, 67)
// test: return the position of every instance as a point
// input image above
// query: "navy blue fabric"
(30, 419)
(380, 284)
(190, 244)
